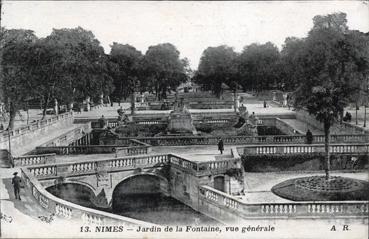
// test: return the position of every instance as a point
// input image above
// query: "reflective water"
(156, 208)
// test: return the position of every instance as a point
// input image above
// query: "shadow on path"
(28, 205)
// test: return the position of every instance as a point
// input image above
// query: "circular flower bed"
(317, 188)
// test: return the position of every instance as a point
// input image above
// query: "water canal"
(150, 207)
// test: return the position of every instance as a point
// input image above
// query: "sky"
(190, 26)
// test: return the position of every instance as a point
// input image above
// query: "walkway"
(111, 111)
(41, 140)
(195, 153)
(302, 126)
(24, 214)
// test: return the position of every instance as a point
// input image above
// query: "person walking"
(309, 137)
(16, 181)
(221, 146)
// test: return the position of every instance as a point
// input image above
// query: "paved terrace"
(111, 111)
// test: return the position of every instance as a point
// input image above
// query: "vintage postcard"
(184, 119)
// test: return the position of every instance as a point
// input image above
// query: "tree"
(83, 68)
(163, 69)
(217, 66)
(16, 52)
(290, 63)
(330, 63)
(258, 66)
(126, 60)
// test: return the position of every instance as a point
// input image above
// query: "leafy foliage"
(16, 52)
(217, 66)
(258, 66)
(163, 70)
(126, 62)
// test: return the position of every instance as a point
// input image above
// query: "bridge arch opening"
(139, 192)
(74, 192)
(219, 183)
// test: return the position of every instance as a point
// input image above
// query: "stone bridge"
(169, 174)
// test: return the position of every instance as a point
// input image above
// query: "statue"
(180, 120)
(180, 107)
(243, 111)
(122, 117)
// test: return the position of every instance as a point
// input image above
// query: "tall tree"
(217, 66)
(126, 60)
(258, 66)
(331, 62)
(290, 63)
(16, 52)
(83, 66)
(163, 69)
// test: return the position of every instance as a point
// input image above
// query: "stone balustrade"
(217, 167)
(204, 168)
(235, 140)
(110, 124)
(78, 136)
(39, 124)
(222, 203)
(32, 159)
(94, 149)
(71, 211)
(304, 148)
(92, 166)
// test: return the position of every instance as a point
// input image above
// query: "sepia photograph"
(184, 119)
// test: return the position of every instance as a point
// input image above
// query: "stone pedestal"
(88, 107)
(274, 96)
(101, 100)
(56, 107)
(181, 122)
(285, 100)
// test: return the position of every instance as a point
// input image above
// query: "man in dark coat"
(221, 146)
(309, 137)
(16, 181)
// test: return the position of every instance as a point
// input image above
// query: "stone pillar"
(133, 103)
(56, 107)
(88, 108)
(285, 100)
(274, 96)
(101, 101)
(71, 106)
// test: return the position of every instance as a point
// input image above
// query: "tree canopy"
(16, 52)
(126, 68)
(334, 63)
(163, 69)
(258, 66)
(217, 65)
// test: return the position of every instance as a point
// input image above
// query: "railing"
(94, 149)
(226, 203)
(68, 210)
(32, 159)
(39, 124)
(236, 140)
(305, 148)
(109, 124)
(204, 168)
(77, 136)
(91, 166)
